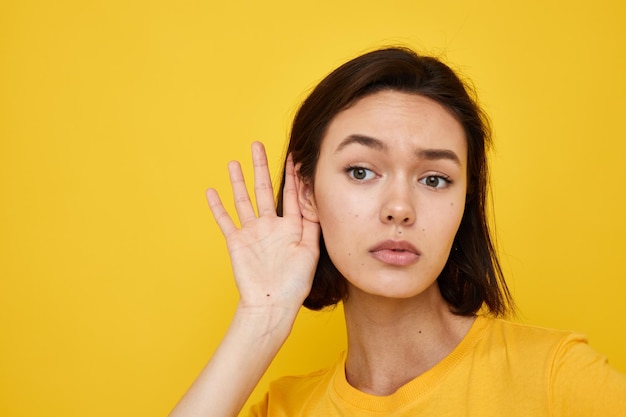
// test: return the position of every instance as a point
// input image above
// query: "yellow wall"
(116, 115)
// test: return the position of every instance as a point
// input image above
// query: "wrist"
(270, 324)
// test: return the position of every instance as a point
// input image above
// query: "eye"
(435, 181)
(360, 173)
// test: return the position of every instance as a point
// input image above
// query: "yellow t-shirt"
(499, 369)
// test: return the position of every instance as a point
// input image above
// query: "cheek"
(341, 209)
(443, 221)
(342, 220)
(454, 215)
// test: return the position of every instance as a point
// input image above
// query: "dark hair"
(472, 277)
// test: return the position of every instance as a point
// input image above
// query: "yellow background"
(116, 115)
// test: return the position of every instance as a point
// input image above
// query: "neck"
(392, 341)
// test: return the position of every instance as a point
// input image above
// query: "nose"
(398, 207)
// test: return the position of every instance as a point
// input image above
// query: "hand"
(273, 258)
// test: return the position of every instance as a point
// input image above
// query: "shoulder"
(510, 329)
(577, 379)
(300, 394)
(297, 384)
(289, 395)
(533, 341)
(521, 354)
(555, 349)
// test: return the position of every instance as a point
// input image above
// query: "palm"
(273, 257)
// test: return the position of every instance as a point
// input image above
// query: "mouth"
(397, 253)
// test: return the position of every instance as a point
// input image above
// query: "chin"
(397, 291)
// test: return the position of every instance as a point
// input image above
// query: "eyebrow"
(368, 141)
(377, 144)
(436, 154)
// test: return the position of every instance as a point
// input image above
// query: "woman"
(382, 207)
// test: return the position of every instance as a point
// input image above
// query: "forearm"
(274, 260)
(251, 343)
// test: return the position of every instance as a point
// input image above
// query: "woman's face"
(389, 192)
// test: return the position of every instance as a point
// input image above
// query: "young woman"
(382, 207)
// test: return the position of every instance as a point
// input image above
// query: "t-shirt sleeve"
(259, 409)
(584, 384)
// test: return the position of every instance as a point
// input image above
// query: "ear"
(306, 197)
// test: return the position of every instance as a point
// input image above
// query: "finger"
(243, 205)
(290, 190)
(262, 182)
(221, 216)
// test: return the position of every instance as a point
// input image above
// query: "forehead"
(401, 120)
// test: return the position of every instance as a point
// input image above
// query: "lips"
(392, 252)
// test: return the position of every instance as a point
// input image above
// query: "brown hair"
(472, 277)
